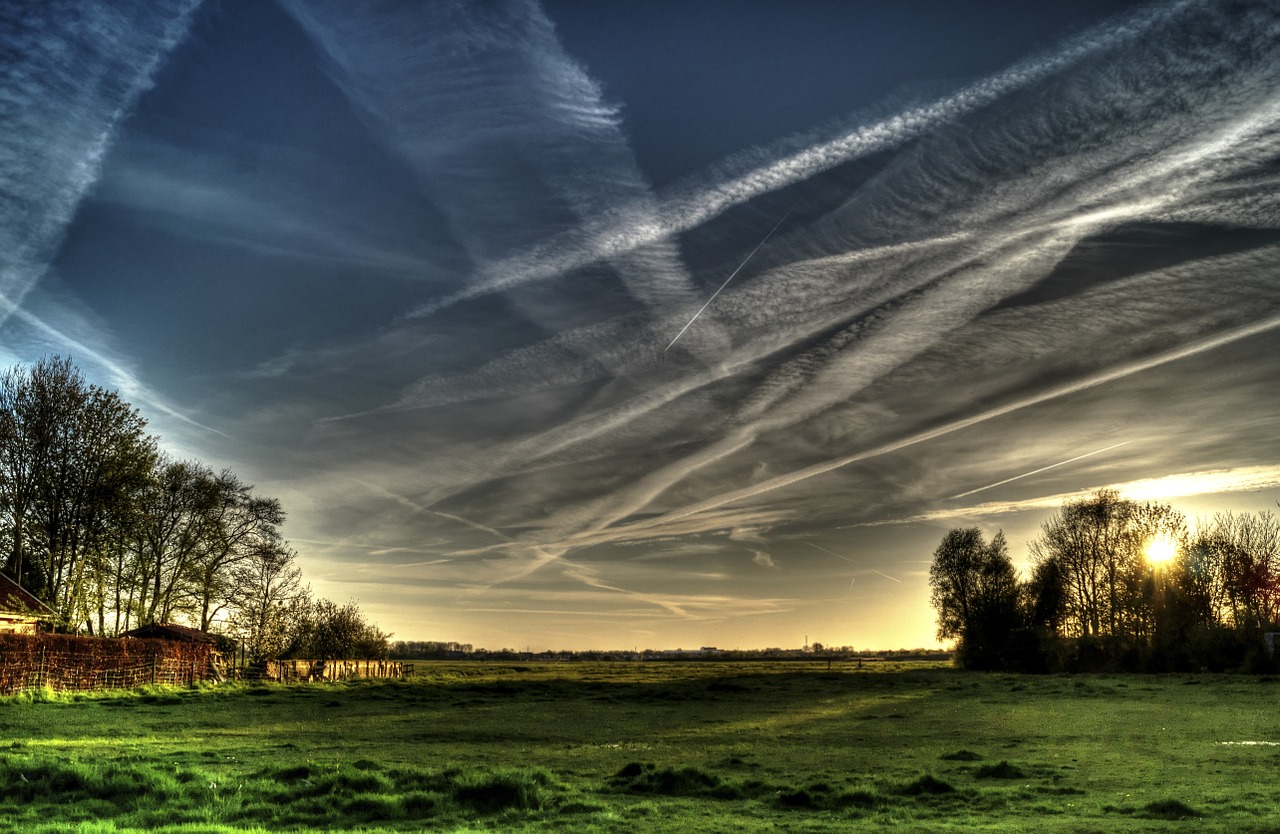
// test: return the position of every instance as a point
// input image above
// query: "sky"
(574, 325)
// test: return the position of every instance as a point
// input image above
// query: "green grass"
(650, 747)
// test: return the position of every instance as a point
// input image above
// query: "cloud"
(756, 173)
(288, 204)
(1048, 182)
(929, 302)
(51, 329)
(1160, 489)
(511, 138)
(72, 72)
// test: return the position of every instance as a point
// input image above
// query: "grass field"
(653, 747)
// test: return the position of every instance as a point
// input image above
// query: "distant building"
(20, 611)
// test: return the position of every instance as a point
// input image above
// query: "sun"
(1161, 549)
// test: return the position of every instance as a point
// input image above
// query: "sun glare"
(1161, 550)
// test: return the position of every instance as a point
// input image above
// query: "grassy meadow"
(626, 747)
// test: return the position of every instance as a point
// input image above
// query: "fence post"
(153, 668)
(40, 673)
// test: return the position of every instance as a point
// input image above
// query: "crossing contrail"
(832, 552)
(730, 278)
(1042, 469)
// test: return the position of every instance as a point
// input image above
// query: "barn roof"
(15, 599)
(171, 631)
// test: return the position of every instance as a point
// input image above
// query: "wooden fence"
(66, 663)
(292, 671)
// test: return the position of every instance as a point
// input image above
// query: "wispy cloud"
(930, 302)
(72, 71)
(510, 137)
(760, 172)
(1161, 489)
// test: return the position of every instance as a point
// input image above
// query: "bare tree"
(174, 529)
(1096, 547)
(238, 526)
(272, 604)
(1238, 557)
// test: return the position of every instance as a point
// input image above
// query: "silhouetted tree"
(112, 534)
(1095, 547)
(975, 591)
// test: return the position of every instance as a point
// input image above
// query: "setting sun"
(1161, 549)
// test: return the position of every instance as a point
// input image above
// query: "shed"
(185, 634)
(172, 631)
(20, 611)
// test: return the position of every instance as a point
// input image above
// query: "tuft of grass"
(961, 756)
(1003, 770)
(683, 781)
(489, 792)
(927, 784)
(1170, 809)
(858, 799)
(669, 781)
(797, 799)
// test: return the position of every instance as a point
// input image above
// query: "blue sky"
(660, 324)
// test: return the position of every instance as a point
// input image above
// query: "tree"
(333, 632)
(1095, 547)
(237, 527)
(71, 456)
(111, 534)
(975, 592)
(173, 530)
(1237, 561)
(272, 607)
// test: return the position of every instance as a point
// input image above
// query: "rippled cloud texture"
(538, 353)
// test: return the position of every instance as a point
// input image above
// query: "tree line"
(113, 533)
(1114, 585)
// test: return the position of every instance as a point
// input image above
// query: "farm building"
(185, 634)
(20, 611)
(172, 631)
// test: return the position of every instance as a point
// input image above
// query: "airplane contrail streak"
(887, 576)
(833, 553)
(1041, 469)
(730, 278)
(1092, 381)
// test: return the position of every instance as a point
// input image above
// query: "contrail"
(730, 278)
(1101, 378)
(847, 559)
(833, 553)
(696, 205)
(121, 376)
(1041, 469)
